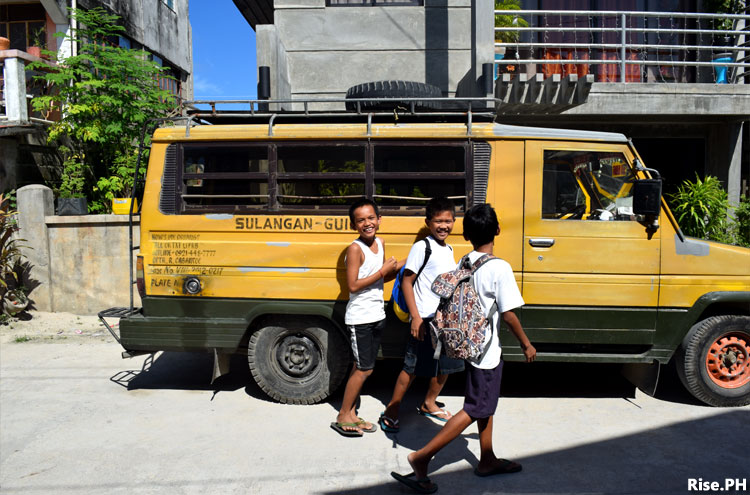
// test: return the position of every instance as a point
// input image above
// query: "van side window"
(408, 175)
(217, 177)
(314, 177)
(587, 185)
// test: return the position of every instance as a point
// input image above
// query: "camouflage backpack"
(460, 325)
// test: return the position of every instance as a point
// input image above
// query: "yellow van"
(243, 230)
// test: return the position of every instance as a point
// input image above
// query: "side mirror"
(647, 197)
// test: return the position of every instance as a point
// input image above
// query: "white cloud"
(203, 88)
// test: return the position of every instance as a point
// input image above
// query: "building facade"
(642, 67)
(160, 27)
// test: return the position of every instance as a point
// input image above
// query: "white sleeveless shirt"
(366, 305)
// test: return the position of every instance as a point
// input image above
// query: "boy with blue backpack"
(427, 259)
(494, 287)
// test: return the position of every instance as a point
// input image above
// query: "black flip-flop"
(505, 468)
(339, 428)
(414, 483)
(384, 421)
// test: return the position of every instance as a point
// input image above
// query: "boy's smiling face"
(441, 225)
(366, 222)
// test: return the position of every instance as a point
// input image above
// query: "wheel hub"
(728, 360)
(297, 355)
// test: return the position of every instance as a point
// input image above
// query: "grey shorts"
(418, 360)
(365, 340)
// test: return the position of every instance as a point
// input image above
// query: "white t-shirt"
(494, 281)
(366, 305)
(441, 261)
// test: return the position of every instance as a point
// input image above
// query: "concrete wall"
(163, 31)
(79, 264)
(443, 43)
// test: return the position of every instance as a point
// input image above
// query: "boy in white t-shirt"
(494, 281)
(366, 268)
(422, 304)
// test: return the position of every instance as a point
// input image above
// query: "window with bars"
(316, 177)
(24, 25)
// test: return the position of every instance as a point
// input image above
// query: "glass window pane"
(314, 193)
(585, 185)
(321, 159)
(214, 159)
(201, 193)
(419, 159)
(217, 190)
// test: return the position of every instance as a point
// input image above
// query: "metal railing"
(622, 46)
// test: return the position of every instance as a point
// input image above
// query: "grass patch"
(22, 338)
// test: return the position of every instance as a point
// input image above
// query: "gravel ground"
(40, 326)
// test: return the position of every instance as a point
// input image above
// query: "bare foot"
(420, 470)
(436, 411)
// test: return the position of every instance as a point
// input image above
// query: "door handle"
(542, 242)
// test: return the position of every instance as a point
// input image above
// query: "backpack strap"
(493, 309)
(427, 254)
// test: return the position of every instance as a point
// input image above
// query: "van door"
(590, 270)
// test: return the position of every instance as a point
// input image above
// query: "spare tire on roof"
(393, 89)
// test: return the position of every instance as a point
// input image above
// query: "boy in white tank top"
(366, 267)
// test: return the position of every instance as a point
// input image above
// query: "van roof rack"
(418, 109)
(340, 107)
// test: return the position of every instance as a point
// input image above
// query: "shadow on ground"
(187, 371)
(192, 371)
(660, 460)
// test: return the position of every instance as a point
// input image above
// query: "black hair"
(436, 205)
(480, 225)
(359, 204)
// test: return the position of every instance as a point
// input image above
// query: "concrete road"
(77, 419)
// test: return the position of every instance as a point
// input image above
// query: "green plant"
(38, 38)
(507, 20)
(120, 183)
(22, 338)
(104, 94)
(703, 210)
(73, 180)
(10, 253)
(740, 228)
(722, 7)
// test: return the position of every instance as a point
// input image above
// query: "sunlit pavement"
(76, 418)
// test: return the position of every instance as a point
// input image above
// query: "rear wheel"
(298, 363)
(714, 360)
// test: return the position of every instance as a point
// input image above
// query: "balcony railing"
(620, 46)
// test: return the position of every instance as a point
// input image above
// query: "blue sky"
(223, 52)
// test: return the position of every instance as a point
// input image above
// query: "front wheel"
(714, 360)
(298, 363)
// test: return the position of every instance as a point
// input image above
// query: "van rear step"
(116, 313)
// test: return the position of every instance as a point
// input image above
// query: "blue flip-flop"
(388, 425)
(433, 415)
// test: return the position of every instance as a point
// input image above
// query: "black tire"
(393, 89)
(713, 361)
(295, 362)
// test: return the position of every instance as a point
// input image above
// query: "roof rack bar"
(270, 125)
(369, 124)
(468, 122)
